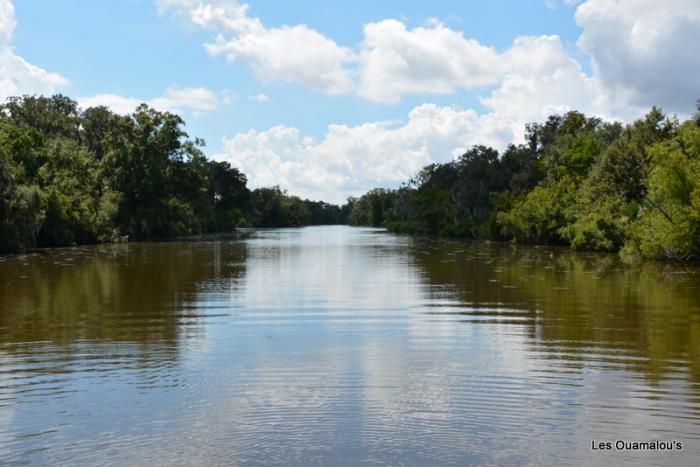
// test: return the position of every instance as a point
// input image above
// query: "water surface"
(344, 346)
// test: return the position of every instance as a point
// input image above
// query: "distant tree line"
(577, 181)
(71, 176)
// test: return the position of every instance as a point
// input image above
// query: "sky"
(329, 99)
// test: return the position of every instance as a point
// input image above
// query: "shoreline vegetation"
(70, 176)
(576, 181)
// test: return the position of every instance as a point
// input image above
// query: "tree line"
(72, 176)
(577, 180)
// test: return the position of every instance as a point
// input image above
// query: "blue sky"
(400, 83)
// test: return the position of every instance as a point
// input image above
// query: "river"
(345, 346)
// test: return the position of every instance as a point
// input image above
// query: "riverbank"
(70, 176)
(577, 181)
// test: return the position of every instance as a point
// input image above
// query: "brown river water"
(345, 346)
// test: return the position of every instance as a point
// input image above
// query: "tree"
(228, 194)
(540, 215)
(144, 152)
(21, 212)
(479, 175)
(50, 116)
(71, 176)
(669, 226)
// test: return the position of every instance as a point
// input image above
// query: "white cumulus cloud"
(17, 76)
(296, 54)
(350, 160)
(433, 59)
(644, 51)
(539, 79)
(7, 21)
(642, 54)
(176, 99)
(542, 79)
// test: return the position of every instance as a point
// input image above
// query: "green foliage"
(478, 175)
(274, 208)
(228, 195)
(325, 214)
(433, 211)
(520, 169)
(70, 176)
(373, 208)
(540, 215)
(49, 116)
(69, 181)
(20, 205)
(146, 160)
(21, 213)
(601, 227)
(669, 226)
(580, 181)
